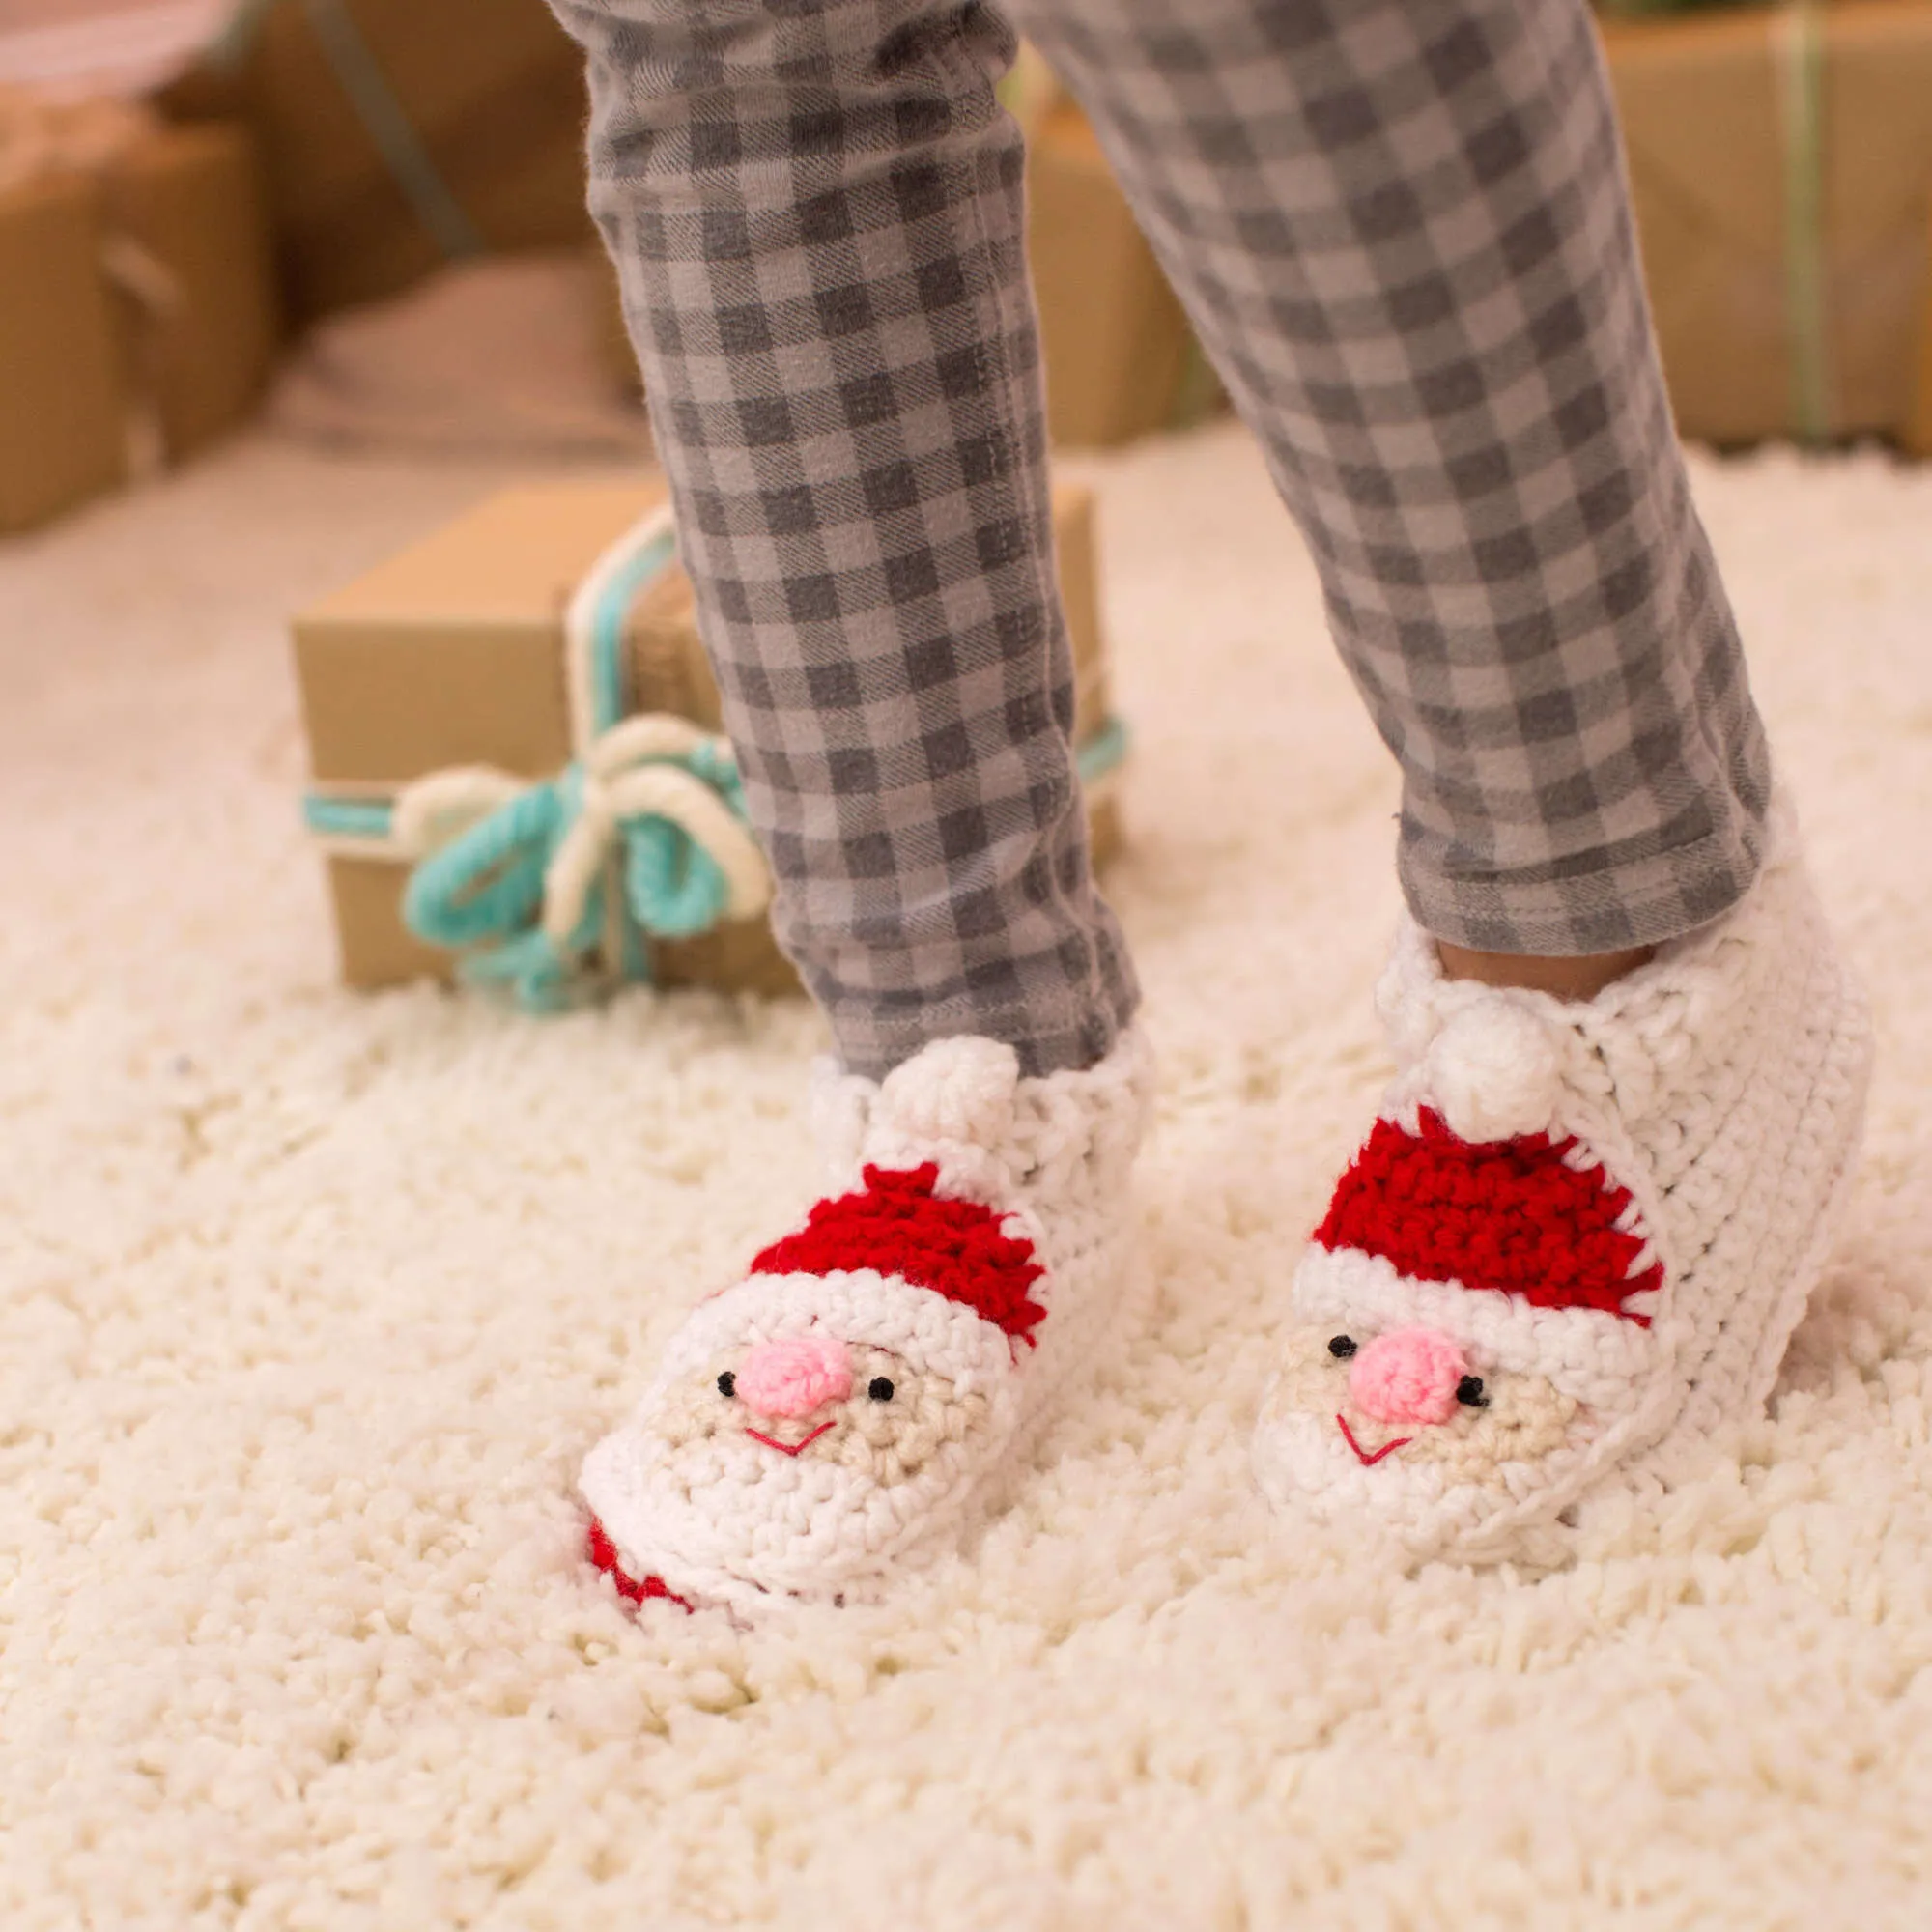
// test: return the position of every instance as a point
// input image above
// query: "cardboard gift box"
(202, 335)
(1917, 436)
(464, 654)
(139, 318)
(1780, 163)
(1120, 357)
(615, 357)
(63, 420)
(397, 134)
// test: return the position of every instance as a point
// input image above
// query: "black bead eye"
(727, 1384)
(880, 1389)
(1470, 1391)
(1341, 1346)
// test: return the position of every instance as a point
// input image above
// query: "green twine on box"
(383, 117)
(1799, 53)
(1801, 97)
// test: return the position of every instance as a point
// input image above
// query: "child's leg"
(1589, 1216)
(1400, 229)
(816, 214)
(1403, 234)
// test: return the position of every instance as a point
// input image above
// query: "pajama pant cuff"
(1609, 903)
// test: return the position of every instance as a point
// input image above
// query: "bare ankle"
(1572, 979)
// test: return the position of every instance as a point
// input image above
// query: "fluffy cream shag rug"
(311, 1304)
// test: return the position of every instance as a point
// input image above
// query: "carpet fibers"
(309, 1305)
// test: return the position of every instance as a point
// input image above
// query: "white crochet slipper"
(855, 1404)
(1580, 1235)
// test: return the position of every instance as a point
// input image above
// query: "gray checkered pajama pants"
(1400, 229)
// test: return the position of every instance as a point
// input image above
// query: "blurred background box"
(452, 654)
(1121, 359)
(138, 317)
(63, 417)
(1781, 165)
(204, 339)
(398, 134)
(1918, 428)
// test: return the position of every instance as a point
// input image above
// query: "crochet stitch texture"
(902, 1226)
(1517, 1216)
(975, 1246)
(1612, 1210)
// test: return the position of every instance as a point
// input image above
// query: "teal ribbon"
(1105, 751)
(481, 895)
(383, 117)
(348, 817)
(371, 818)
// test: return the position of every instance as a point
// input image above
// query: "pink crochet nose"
(1410, 1375)
(794, 1377)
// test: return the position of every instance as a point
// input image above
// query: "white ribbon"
(624, 776)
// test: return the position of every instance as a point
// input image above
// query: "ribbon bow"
(644, 836)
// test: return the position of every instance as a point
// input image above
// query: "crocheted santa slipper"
(1580, 1235)
(854, 1404)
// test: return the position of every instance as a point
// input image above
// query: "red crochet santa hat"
(897, 1224)
(1516, 1215)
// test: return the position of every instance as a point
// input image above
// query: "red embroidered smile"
(803, 1443)
(1362, 1455)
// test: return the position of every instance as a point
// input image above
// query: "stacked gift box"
(1781, 160)
(139, 316)
(1119, 355)
(320, 153)
(1780, 163)
(399, 134)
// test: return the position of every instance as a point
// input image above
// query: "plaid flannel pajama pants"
(1402, 231)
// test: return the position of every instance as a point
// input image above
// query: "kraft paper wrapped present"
(398, 134)
(615, 354)
(1120, 357)
(138, 318)
(1780, 163)
(203, 333)
(1917, 437)
(516, 768)
(63, 419)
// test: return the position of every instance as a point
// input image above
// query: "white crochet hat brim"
(860, 1306)
(1596, 1358)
